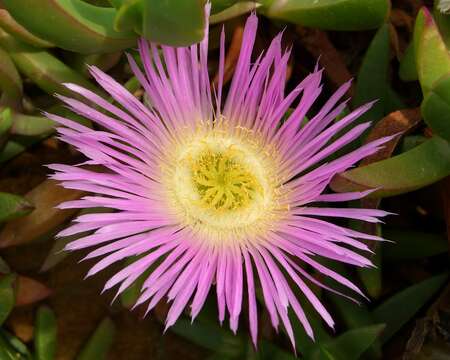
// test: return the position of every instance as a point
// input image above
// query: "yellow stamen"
(224, 184)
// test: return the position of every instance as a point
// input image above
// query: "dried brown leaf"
(319, 45)
(29, 291)
(232, 55)
(45, 197)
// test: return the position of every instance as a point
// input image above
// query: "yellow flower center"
(223, 180)
(223, 184)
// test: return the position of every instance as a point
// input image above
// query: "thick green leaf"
(174, 22)
(393, 101)
(31, 125)
(221, 5)
(45, 334)
(408, 70)
(353, 343)
(44, 69)
(13, 206)
(347, 15)
(210, 336)
(372, 277)
(105, 61)
(71, 24)
(16, 345)
(412, 170)
(9, 352)
(305, 345)
(10, 81)
(6, 121)
(235, 10)
(412, 245)
(19, 32)
(432, 56)
(57, 253)
(353, 315)
(400, 308)
(372, 77)
(17, 146)
(436, 107)
(7, 297)
(268, 351)
(129, 16)
(100, 342)
(411, 141)
(116, 3)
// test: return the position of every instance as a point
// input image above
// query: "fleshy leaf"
(372, 277)
(44, 69)
(346, 15)
(7, 297)
(31, 125)
(221, 5)
(13, 206)
(372, 77)
(408, 70)
(400, 308)
(19, 32)
(436, 107)
(10, 81)
(129, 16)
(9, 348)
(13, 348)
(432, 56)
(100, 342)
(174, 22)
(211, 337)
(233, 11)
(412, 170)
(412, 245)
(81, 27)
(353, 343)
(45, 334)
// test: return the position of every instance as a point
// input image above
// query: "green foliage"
(7, 296)
(99, 343)
(10, 81)
(421, 166)
(329, 14)
(408, 71)
(351, 344)
(13, 206)
(401, 307)
(45, 334)
(174, 22)
(50, 44)
(436, 107)
(44, 69)
(372, 81)
(409, 245)
(12, 348)
(81, 27)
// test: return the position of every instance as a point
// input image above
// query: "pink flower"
(217, 198)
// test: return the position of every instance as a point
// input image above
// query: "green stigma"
(223, 181)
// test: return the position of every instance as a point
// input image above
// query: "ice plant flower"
(215, 198)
